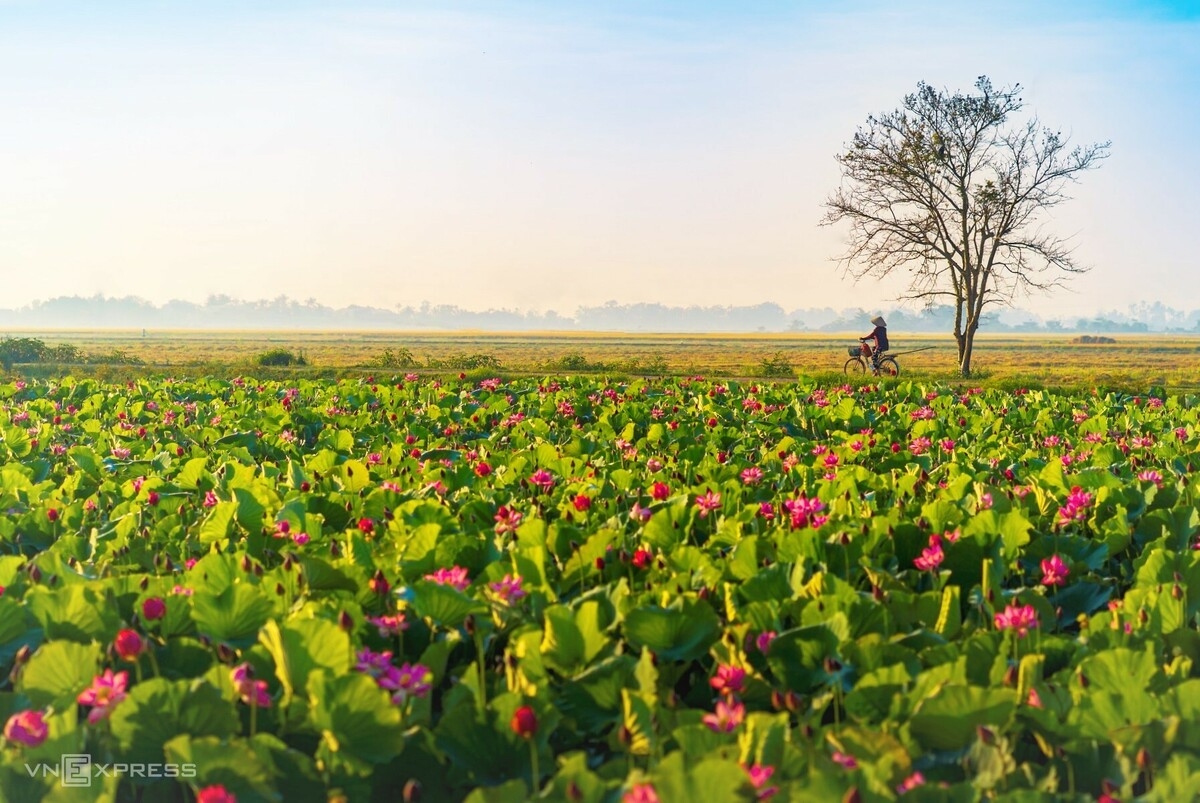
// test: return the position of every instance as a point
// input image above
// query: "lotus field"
(672, 590)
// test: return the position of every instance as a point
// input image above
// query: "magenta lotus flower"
(660, 491)
(759, 776)
(542, 479)
(509, 589)
(252, 692)
(379, 666)
(455, 577)
(764, 639)
(726, 717)
(215, 794)
(128, 644)
(932, 556)
(728, 680)
(804, 511)
(1021, 618)
(412, 680)
(105, 692)
(1076, 506)
(27, 727)
(1054, 571)
(153, 609)
(708, 503)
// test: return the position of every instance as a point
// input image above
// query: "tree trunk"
(964, 359)
(967, 346)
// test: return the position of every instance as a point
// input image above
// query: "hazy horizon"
(535, 157)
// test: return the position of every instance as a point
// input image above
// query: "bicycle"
(857, 364)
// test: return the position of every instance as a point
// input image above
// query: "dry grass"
(1133, 361)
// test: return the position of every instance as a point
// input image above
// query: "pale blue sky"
(547, 155)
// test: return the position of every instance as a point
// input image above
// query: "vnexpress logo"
(78, 769)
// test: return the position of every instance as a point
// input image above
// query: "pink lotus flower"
(215, 794)
(728, 680)
(910, 783)
(455, 577)
(27, 727)
(210, 499)
(641, 793)
(640, 514)
(919, 446)
(708, 503)
(582, 502)
(1020, 618)
(660, 491)
(413, 680)
(389, 624)
(726, 718)
(845, 761)
(932, 556)
(252, 692)
(1151, 476)
(763, 642)
(509, 589)
(752, 475)
(1054, 571)
(507, 520)
(105, 692)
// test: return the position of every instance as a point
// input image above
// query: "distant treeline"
(224, 312)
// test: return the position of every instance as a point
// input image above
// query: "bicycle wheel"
(889, 367)
(854, 366)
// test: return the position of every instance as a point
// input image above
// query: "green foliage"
(454, 582)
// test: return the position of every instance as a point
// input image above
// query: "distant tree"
(945, 188)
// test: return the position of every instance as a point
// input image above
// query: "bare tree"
(944, 188)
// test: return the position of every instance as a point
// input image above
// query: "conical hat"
(879, 321)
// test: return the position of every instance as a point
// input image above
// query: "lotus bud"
(345, 621)
(1083, 681)
(246, 566)
(1176, 592)
(1011, 676)
(144, 583)
(35, 574)
(574, 793)
(777, 700)
(986, 735)
(1144, 762)
(412, 791)
(852, 795)
(226, 654)
(469, 624)
(280, 590)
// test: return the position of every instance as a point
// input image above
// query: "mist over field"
(224, 312)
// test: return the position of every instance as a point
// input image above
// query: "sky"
(550, 155)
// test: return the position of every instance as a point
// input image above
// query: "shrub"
(280, 357)
(400, 358)
(776, 365)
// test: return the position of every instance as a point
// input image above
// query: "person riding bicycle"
(879, 335)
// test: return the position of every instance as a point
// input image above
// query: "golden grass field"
(1133, 361)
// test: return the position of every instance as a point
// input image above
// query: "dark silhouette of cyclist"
(879, 335)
